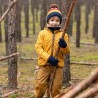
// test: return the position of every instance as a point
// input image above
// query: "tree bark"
(33, 22)
(26, 11)
(18, 22)
(6, 26)
(78, 22)
(87, 12)
(37, 9)
(0, 23)
(0, 34)
(33, 14)
(86, 19)
(43, 14)
(66, 69)
(96, 21)
(12, 48)
(64, 14)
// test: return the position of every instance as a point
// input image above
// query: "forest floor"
(27, 62)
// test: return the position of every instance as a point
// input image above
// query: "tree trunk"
(33, 22)
(6, 26)
(0, 34)
(12, 48)
(87, 12)
(37, 9)
(0, 23)
(43, 14)
(18, 22)
(26, 11)
(64, 17)
(66, 69)
(78, 21)
(86, 19)
(96, 21)
(33, 14)
(94, 25)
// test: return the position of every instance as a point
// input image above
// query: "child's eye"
(52, 20)
(57, 20)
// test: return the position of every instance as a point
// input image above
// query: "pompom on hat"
(54, 11)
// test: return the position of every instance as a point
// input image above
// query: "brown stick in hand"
(65, 29)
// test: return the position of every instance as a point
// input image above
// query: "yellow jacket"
(44, 45)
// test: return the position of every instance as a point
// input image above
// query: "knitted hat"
(54, 11)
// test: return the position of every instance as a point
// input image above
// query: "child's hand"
(53, 61)
(62, 43)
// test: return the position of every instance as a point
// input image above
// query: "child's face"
(54, 21)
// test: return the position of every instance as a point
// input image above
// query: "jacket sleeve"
(67, 49)
(39, 47)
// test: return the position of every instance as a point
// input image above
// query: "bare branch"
(8, 94)
(88, 93)
(82, 85)
(64, 92)
(6, 57)
(83, 63)
(6, 12)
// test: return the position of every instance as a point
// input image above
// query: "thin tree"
(18, 22)
(6, 26)
(26, 11)
(87, 12)
(0, 23)
(37, 9)
(43, 14)
(63, 7)
(96, 21)
(0, 34)
(12, 48)
(66, 69)
(33, 14)
(78, 22)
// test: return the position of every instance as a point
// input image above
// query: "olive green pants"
(42, 81)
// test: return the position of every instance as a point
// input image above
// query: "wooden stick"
(7, 11)
(28, 58)
(83, 63)
(64, 92)
(82, 85)
(9, 56)
(90, 92)
(57, 52)
(8, 94)
(66, 24)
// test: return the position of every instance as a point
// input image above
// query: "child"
(46, 47)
